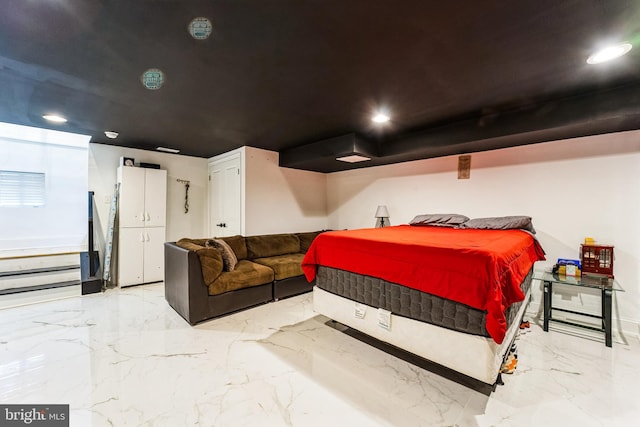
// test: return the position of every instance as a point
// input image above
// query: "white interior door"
(155, 197)
(225, 197)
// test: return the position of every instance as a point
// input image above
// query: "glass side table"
(606, 285)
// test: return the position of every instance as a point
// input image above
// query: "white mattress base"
(472, 355)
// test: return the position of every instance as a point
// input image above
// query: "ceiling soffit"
(596, 112)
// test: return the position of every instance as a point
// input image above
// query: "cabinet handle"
(148, 217)
(147, 234)
(141, 216)
(142, 237)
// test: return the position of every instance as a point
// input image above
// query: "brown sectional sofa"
(268, 268)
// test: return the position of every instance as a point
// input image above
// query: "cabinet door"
(155, 197)
(131, 212)
(130, 256)
(154, 254)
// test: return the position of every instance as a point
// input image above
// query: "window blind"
(21, 189)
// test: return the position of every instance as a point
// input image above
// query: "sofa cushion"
(237, 243)
(210, 259)
(199, 242)
(306, 239)
(245, 275)
(191, 244)
(284, 266)
(272, 245)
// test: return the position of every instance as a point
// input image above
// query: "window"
(21, 189)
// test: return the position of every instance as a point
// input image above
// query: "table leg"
(547, 305)
(603, 302)
(606, 298)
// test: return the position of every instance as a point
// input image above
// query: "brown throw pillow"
(211, 263)
(228, 256)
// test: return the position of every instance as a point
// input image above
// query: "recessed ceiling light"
(380, 118)
(353, 158)
(609, 53)
(168, 150)
(54, 118)
(111, 134)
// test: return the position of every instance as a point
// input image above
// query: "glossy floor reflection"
(125, 358)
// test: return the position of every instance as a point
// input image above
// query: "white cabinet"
(153, 260)
(130, 256)
(141, 255)
(141, 225)
(143, 197)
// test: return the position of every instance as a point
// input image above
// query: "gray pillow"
(229, 258)
(441, 220)
(501, 223)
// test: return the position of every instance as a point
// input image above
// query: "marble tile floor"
(125, 358)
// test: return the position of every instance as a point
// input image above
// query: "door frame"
(238, 153)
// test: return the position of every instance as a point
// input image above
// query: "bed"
(453, 296)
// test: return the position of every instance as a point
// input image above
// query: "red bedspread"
(480, 268)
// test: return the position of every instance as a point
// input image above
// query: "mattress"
(411, 303)
(482, 269)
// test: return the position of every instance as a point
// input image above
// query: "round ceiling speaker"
(200, 28)
(152, 79)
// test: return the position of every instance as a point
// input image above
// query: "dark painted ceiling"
(296, 76)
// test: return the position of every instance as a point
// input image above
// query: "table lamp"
(381, 213)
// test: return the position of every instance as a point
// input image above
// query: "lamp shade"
(382, 212)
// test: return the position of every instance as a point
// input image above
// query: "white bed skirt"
(472, 355)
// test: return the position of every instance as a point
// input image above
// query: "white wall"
(281, 200)
(60, 225)
(103, 162)
(571, 188)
